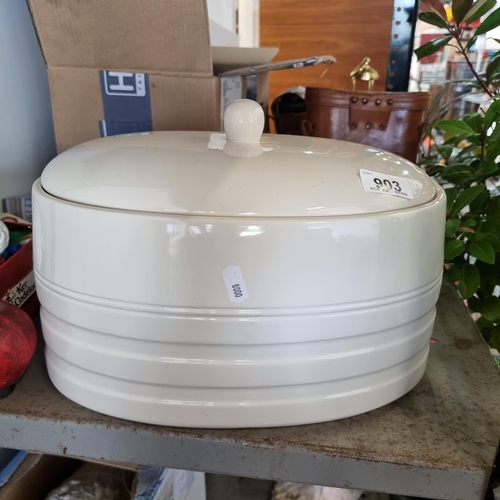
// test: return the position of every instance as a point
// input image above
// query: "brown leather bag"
(385, 120)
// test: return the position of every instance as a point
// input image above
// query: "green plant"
(466, 162)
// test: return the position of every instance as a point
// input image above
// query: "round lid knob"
(244, 121)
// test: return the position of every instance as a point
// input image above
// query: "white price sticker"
(235, 284)
(21, 291)
(375, 182)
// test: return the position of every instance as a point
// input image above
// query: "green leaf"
(490, 276)
(456, 127)
(460, 178)
(476, 205)
(493, 240)
(451, 226)
(493, 208)
(460, 9)
(484, 324)
(453, 139)
(495, 136)
(491, 225)
(445, 150)
(451, 195)
(466, 226)
(474, 304)
(457, 168)
(487, 168)
(460, 167)
(465, 197)
(458, 173)
(482, 250)
(491, 22)
(453, 248)
(434, 170)
(475, 122)
(432, 46)
(468, 281)
(494, 338)
(495, 79)
(493, 151)
(476, 217)
(479, 9)
(455, 273)
(492, 67)
(491, 308)
(492, 113)
(436, 6)
(471, 42)
(433, 18)
(468, 222)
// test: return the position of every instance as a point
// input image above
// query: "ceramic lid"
(241, 174)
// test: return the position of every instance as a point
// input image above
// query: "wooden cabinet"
(348, 30)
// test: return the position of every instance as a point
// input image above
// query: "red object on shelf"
(17, 344)
(17, 280)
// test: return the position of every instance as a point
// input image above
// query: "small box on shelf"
(17, 280)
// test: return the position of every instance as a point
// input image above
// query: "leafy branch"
(464, 12)
(464, 156)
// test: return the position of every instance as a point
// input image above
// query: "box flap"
(229, 58)
(148, 35)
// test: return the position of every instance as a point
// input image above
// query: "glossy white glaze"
(138, 322)
(201, 173)
(165, 403)
(177, 261)
(140, 241)
(244, 121)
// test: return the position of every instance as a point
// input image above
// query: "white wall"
(223, 29)
(223, 13)
(249, 21)
(26, 130)
(222, 37)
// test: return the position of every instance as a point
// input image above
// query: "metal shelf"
(438, 441)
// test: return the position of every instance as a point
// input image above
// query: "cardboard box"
(124, 66)
(10, 460)
(36, 476)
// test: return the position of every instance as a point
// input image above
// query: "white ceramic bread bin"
(193, 279)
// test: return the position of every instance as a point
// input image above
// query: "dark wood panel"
(316, 12)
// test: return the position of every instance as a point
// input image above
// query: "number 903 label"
(375, 182)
